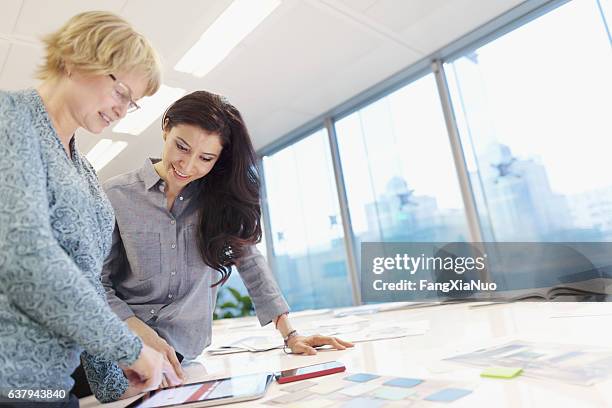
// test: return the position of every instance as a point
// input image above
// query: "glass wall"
(398, 169)
(306, 227)
(533, 111)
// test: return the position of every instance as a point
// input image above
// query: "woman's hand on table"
(306, 344)
(153, 340)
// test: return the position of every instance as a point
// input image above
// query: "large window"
(306, 227)
(533, 110)
(398, 169)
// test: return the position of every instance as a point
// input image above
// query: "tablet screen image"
(207, 393)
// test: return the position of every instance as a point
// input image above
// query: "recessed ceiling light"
(104, 151)
(151, 107)
(236, 22)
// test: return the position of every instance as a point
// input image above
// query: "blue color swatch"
(361, 377)
(448, 395)
(403, 382)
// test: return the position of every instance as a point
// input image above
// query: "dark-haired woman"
(182, 222)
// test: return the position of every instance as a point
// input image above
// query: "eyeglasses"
(122, 94)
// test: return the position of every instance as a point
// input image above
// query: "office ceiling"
(304, 59)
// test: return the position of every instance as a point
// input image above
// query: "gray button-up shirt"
(155, 270)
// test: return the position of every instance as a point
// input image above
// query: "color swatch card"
(367, 390)
(448, 395)
(359, 389)
(361, 377)
(392, 393)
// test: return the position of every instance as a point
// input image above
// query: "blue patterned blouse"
(56, 227)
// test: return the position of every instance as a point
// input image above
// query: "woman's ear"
(68, 69)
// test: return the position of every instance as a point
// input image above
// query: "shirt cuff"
(129, 351)
(269, 311)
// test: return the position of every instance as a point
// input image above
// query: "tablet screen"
(227, 388)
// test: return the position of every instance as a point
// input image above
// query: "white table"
(454, 329)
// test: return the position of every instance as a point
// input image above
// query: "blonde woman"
(56, 224)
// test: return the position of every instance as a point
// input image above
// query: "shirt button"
(152, 311)
(170, 296)
(173, 273)
(172, 222)
(173, 246)
(181, 198)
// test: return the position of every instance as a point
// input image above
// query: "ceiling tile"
(275, 124)
(4, 50)
(173, 30)
(397, 15)
(358, 5)
(40, 17)
(275, 69)
(350, 80)
(20, 66)
(8, 17)
(452, 21)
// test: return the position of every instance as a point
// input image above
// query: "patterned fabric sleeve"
(106, 379)
(36, 274)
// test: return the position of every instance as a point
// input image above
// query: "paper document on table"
(583, 365)
(355, 329)
(351, 328)
(310, 312)
(392, 331)
(252, 343)
(379, 307)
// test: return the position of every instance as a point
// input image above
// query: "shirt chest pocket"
(143, 250)
(193, 258)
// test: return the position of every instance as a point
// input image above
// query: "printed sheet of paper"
(583, 365)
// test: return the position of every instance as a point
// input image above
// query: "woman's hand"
(148, 372)
(152, 339)
(306, 345)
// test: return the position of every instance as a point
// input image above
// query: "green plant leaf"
(235, 293)
(247, 304)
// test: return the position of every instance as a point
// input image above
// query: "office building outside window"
(306, 227)
(398, 169)
(533, 110)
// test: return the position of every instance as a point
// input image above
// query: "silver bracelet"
(291, 334)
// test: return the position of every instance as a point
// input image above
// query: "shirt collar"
(148, 173)
(152, 179)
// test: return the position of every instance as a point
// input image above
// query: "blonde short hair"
(100, 43)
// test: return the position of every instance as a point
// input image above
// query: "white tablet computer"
(207, 393)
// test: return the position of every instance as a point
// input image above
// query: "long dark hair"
(228, 196)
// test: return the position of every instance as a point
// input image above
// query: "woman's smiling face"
(189, 154)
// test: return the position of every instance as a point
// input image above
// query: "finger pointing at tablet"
(146, 372)
(171, 378)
